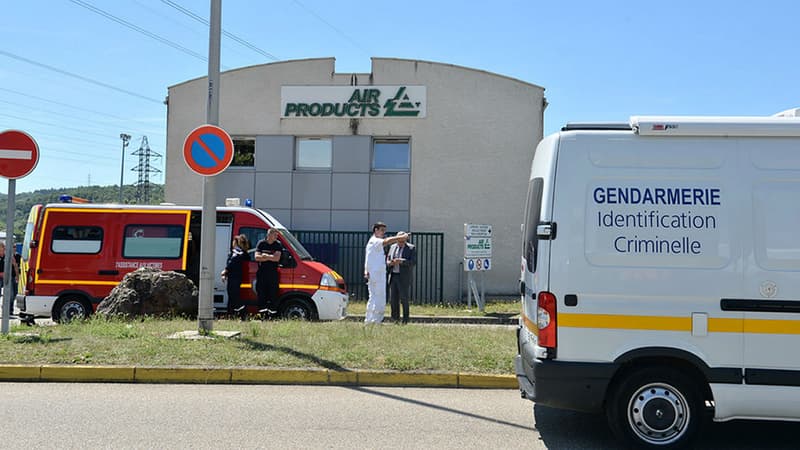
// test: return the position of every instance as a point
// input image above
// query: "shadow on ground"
(316, 361)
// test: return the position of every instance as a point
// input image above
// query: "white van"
(661, 274)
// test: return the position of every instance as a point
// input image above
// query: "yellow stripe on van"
(530, 325)
(718, 325)
(771, 326)
(37, 279)
(667, 323)
(287, 286)
(623, 322)
(120, 210)
(300, 286)
(79, 282)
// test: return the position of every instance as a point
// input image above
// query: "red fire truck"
(74, 254)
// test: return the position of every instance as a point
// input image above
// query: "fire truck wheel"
(296, 309)
(71, 308)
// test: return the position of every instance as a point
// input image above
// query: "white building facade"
(422, 146)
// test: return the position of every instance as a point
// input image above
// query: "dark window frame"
(390, 141)
(168, 226)
(244, 152)
(298, 166)
(67, 237)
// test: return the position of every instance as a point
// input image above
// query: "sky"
(75, 74)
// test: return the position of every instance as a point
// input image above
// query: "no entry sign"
(19, 154)
(208, 150)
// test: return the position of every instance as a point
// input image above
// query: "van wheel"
(296, 309)
(71, 308)
(655, 407)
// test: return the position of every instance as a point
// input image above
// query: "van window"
(530, 242)
(253, 235)
(153, 241)
(256, 234)
(30, 226)
(77, 239)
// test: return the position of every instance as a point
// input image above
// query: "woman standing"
(234, 272)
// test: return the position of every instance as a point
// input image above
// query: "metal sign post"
(477, 257)
(19, 155)
(205, 305)
(8, 276)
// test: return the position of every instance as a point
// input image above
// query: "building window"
(153, 241)
(244, 152)
(391, 155)
(77, 239)
(313, 153)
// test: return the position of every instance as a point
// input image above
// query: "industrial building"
(422, 146)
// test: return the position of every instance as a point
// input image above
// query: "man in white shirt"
(375, 271)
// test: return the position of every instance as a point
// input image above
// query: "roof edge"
(373, 59)
(324, 58)
(471, 69)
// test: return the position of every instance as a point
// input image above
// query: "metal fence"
(343, 251)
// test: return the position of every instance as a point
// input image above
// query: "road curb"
(477, 320)
(250, 375)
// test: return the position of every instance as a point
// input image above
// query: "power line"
(79, 77)
(53, 125)
(55, 113)
(66, 105)
(36, 133)
(139, 29)
(338, 31)
(204, 21)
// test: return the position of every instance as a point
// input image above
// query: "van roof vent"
(602, 126)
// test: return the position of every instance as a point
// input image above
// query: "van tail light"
(29, 282)
(546, 319)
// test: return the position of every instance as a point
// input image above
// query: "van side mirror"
(287, 260)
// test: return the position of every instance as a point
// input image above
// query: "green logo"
(404, 106)
(362, 102)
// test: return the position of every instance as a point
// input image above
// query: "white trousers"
(376, 305)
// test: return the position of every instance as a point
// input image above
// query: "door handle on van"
(108, 272)
(546, 231)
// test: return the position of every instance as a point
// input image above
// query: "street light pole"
(125, 139)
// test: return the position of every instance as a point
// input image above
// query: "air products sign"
(657, 225)
(353, 102)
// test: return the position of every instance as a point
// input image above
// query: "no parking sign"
(208, 150)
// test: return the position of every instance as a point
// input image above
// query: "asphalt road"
(120, 416)
(80, 416)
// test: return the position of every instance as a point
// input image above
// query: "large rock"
(151, 292)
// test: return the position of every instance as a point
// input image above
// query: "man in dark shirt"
(268, 256)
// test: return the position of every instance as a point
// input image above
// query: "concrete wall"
(470, 155)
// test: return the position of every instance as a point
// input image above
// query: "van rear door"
(538, 228)
(75, 249)
(221, 251)
(771, 297)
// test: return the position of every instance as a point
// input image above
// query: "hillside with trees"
(95, 194)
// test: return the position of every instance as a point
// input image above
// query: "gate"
(343, 251)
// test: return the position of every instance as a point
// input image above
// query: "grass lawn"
(285, 344)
